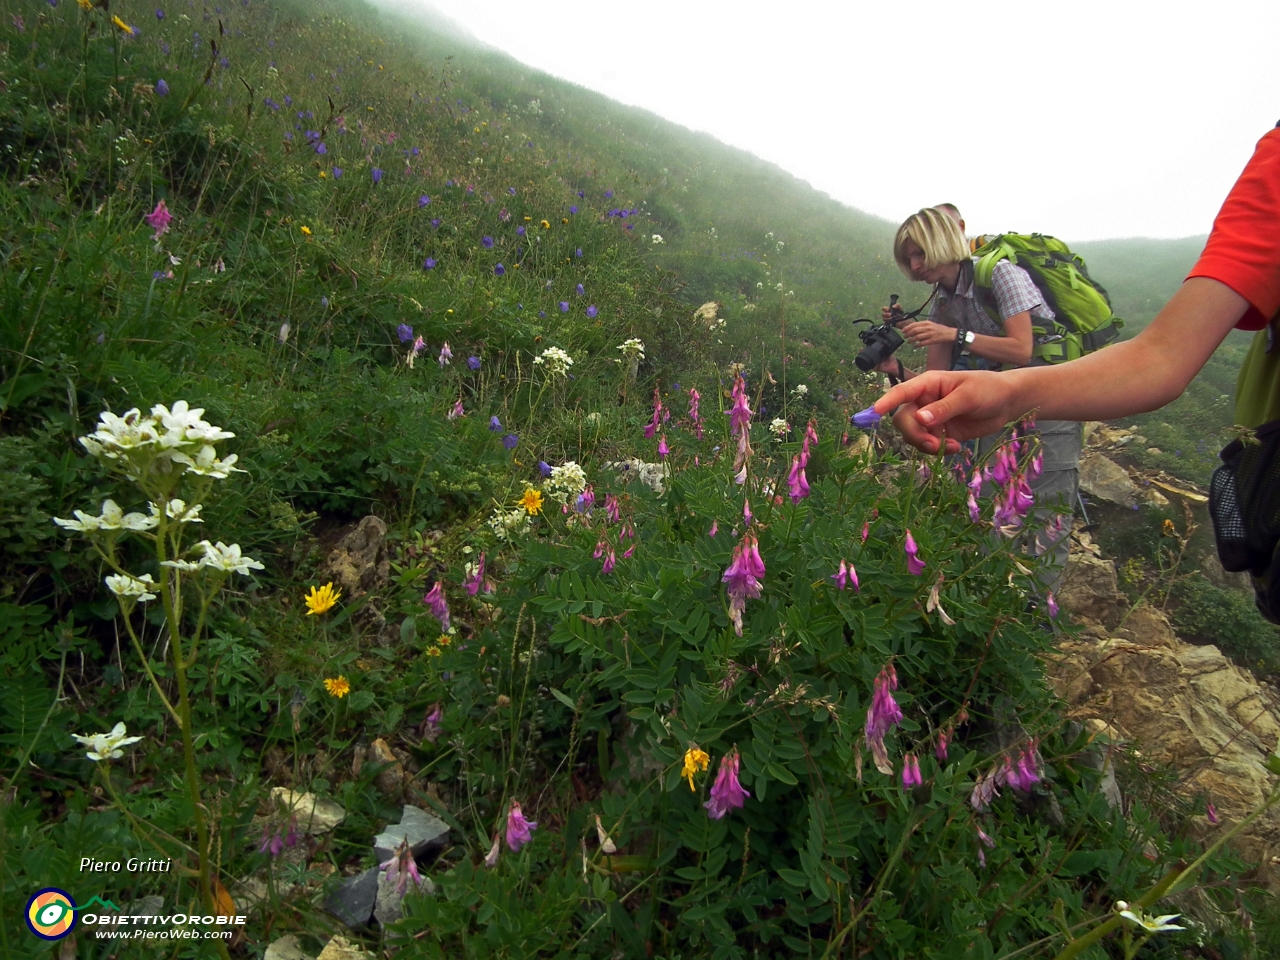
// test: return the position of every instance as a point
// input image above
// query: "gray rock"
(424, 832)
(360, 562)
(286, 948)
(1107, 480)
(389, 906)
(353, 901)
(315, 815)
(340, 948)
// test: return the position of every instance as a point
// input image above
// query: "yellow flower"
(306, 231)
(531, 501)
(1169, 530)
(564, 219)
(323, 175)
(444, 639)
(318, 601)
(433, 651)
(695, 759)
(122, 25)
(85, 4)
(527, 219)
(337, 686)
(545, 225)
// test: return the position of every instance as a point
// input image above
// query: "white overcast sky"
(1082, 119)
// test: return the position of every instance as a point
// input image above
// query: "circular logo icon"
(51, 913)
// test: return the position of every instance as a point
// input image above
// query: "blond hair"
(935, 233)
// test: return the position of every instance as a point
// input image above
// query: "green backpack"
(1083, 320)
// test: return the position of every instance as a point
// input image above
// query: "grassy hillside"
(743, 721)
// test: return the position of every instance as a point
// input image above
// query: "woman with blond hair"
(962, 333)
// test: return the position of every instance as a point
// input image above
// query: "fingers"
(928, 440)
(918, 390)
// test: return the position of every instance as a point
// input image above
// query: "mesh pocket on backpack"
(1244, 502)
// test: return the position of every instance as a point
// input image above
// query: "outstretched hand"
(949, 406)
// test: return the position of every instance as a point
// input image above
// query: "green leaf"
(793, 877)
(779, 772)
(563, 699)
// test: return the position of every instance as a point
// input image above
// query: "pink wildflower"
(797, 482)
(475, 581)
(866, 530)
(456, 412)
(611, 508)
(431, 723)
(1211, 812)
(1028, 776)
(158, 220)
(746, 511)
(626, 554)
(491, 858)
(743, 577)
(610, 561)
(435, 599)
(911, 772)
(740, 413)
(601, 546)
(944, 741)
(402, 867)
(1051, 604)
(715, 528)
(915, 566)
(883, 714)
(984, 791)
(841, 576)
(726, 793)
(663, 449)
(694, 417)
(519, 830)
(652, 428)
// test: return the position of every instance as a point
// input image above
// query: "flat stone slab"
(423, 831)
(353, 901)
(340, 948)
(286, 948)
(389, 906)
(315, 815)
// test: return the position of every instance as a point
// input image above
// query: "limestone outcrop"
(1130, 679)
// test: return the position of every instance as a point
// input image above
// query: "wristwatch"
(966, 340)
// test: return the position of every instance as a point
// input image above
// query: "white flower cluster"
(226, 559)
(132, 589)
(800, 390)
(652, 475)
(112, 518)
(106, 746)
(657, 238)
(779, 428)
(633, 349)
(566, 482)
(555, 361)
(510, 524)
(154, 450)
(160, 439)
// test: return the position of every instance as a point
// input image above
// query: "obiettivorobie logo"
(51, 913)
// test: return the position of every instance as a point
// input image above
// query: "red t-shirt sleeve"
(1244, 248)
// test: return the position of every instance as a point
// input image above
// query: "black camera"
(882, 340)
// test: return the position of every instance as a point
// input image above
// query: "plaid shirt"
(1014, 294)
